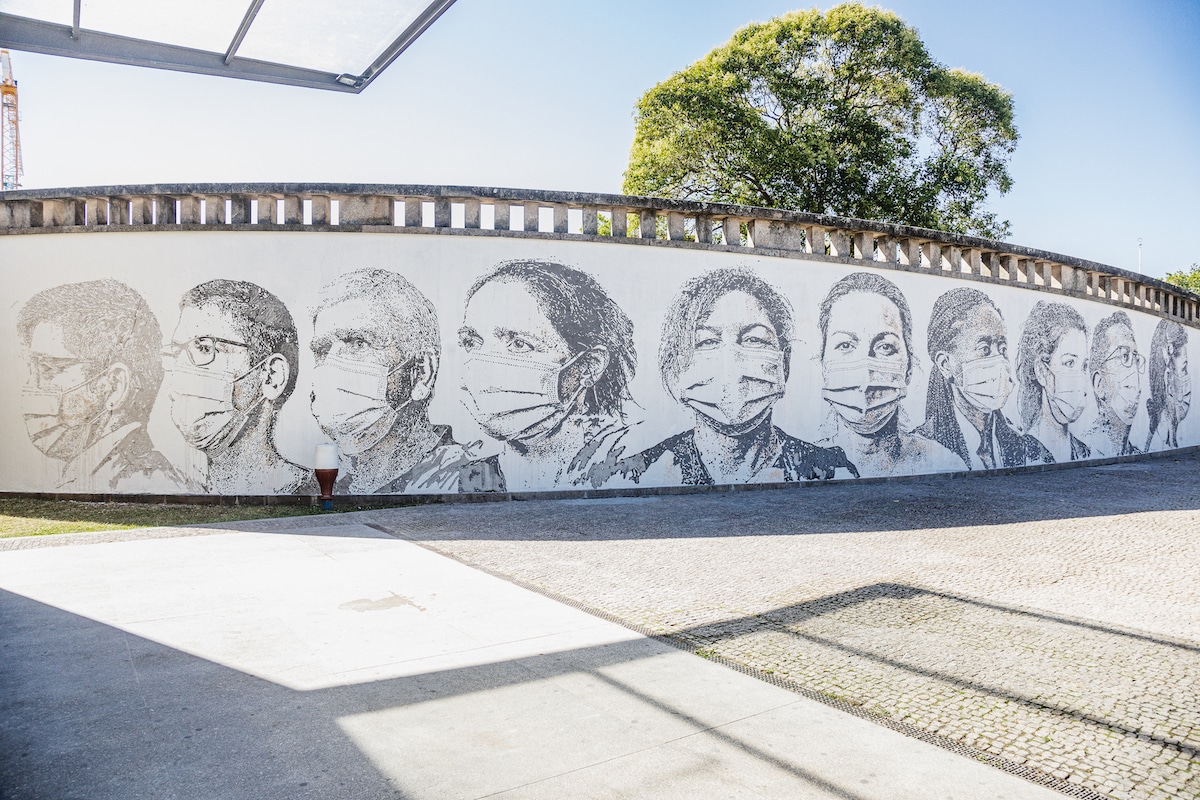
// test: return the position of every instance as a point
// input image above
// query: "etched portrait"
(547, 358)
(92, 351)
(866, 364)
(377, 351)
(970, 383)
(725, 355)
(1052, 372)
(231, 364)
(1116, 368)
(1170, 385)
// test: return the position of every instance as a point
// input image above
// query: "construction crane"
(11, 168)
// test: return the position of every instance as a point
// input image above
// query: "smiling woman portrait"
(866, 363)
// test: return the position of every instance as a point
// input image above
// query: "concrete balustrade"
(687, 224)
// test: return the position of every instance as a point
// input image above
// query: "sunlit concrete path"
(308, 659)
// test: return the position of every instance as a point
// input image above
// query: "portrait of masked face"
(1119, 387)
(363, 381)
(63, 400)
(1117, 371)
(1064, 377)
(92, 354)
(1055, 382)
(724, 356)
(736, 370)
(212, 384)
(520, 380)
(864, 361)
(1170, 385)
(1179, 385)
(978, 361)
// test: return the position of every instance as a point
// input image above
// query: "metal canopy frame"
(72, 41)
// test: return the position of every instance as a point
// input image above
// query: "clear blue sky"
(539, 94)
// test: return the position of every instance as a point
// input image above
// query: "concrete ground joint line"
(1031, 774)
(137, 678)
(592, 765)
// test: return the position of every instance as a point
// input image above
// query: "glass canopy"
(327, 44)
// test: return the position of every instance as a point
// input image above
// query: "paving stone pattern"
(1051, 619)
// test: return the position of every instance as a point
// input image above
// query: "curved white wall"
(642, 281)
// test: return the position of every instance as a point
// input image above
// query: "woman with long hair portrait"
(1052, 371)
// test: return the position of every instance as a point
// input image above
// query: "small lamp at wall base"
(325, 465)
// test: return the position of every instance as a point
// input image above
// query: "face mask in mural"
(1124, 401)
(866, 393)
(516, 399)
(986, 382)
(59, 421)
(349, 401)
(202, 405)
(732, 384)
(1067, 391)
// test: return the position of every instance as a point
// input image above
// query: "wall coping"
(782, 231)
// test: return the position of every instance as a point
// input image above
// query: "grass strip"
(24, 517)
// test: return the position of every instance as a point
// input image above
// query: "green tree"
(840, 113)
(1189, 279)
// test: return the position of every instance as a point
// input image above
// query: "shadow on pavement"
(1119, 682)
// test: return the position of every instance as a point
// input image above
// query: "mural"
(547, 358)
(93, 371)
(473, 364)
(971, 383)
(866, 363)
(725, 355)
(231, 364)
(1170, 385)
(377, 352)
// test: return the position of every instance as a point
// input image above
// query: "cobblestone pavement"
(1051, 619)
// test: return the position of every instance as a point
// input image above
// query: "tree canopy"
(1186, 278)
(840, 113)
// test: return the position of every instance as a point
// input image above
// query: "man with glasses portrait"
(1116, 370)
(94, 371)
(231, 364)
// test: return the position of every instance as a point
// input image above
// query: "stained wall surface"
(213, 362)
